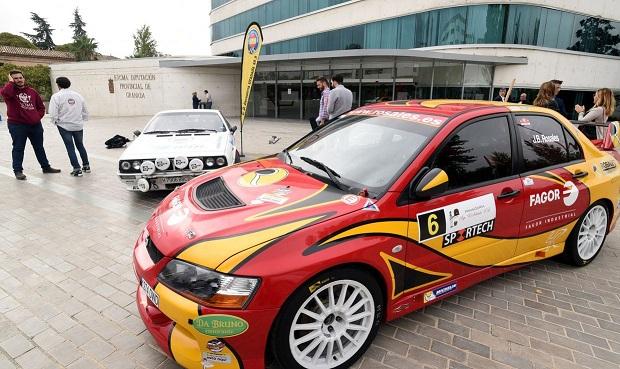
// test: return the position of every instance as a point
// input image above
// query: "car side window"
(477, 153)
(543, 142)
(574, 149)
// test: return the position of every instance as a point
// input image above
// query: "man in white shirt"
(68, 111)
(340, 98)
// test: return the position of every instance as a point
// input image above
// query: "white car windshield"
(361, 151)
(186, 122)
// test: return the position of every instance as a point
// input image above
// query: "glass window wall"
(476, 24)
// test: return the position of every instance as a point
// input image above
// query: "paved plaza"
(67, 287)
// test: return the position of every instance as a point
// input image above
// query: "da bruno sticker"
(456, 217)
(220, 325)
(263, 177)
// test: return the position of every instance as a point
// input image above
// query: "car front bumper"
(158, 181)
(170, 324)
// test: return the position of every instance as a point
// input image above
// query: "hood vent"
(215, 195)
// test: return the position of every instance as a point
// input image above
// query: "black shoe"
(51, 170)
(86, 168)
(20, 176)
(76, 173)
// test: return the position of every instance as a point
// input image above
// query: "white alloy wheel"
(332, 324)
(592, 232)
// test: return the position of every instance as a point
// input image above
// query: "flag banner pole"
(252, 45)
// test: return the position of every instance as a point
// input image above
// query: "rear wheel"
(329, 322)
(588, 236)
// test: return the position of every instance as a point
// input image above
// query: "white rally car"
(175, 146)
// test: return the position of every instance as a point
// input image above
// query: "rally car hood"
(152, 146)
(258, 201)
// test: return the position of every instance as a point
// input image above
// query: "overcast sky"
(180, 27)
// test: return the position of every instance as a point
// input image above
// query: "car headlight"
(136, 165)
(207, 287)
(209, 162)
(221, 161)
(125, 165)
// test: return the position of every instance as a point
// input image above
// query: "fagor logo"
(571, 193)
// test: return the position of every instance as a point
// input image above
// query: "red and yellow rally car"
(300, 256)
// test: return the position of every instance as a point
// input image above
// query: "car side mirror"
(233, 129)
(137, 132)
(434, 182)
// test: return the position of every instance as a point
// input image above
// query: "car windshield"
(365, 151)
(186, 122)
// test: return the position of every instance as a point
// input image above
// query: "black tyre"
(329, 322)
(588, 236)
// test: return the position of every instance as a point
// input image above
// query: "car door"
(474, 224)
(555, 177)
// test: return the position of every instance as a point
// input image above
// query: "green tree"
(144, 44)
(42, 38)
(37, 76)
(78, 25)
(9, 39)
(84, 49)
(596, 36)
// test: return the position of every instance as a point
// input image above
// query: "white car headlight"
(221, 161)
(147, 167)
(135, 165)
(206, 286)
(210, 162)
(125, 165)
(162, 163)
(196, 165)
(181, 162)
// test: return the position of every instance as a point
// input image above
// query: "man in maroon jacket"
(24, 112)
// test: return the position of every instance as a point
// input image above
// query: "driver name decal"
(473, 213)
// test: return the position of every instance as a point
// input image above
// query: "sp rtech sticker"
(456, 217)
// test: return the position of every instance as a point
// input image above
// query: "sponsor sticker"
(467, 233)
(524, 122)
(282, 191)
(608, 165)
(438, 292)
(262, 177)
(272, 198)
(430, 120)
(568, 194)
(370, 206)
(220, 325)
(209, 359)
(150, 292)
(527, 181)
(215, 345)
(350, 199)
(455, 217)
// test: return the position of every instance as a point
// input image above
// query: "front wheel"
(329, 322)
(588, 236)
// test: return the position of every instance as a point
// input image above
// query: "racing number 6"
(433, 226)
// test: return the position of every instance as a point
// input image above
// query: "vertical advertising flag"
(252, 44)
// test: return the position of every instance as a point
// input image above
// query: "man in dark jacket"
(558, 100)
(195, 100)
(24, 112)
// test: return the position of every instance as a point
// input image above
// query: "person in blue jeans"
(68, 111)
(24, 112)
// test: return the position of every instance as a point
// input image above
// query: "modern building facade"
(574, 41)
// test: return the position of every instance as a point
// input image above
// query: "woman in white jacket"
(604, 106)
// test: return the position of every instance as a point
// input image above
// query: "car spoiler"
(611, 141)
